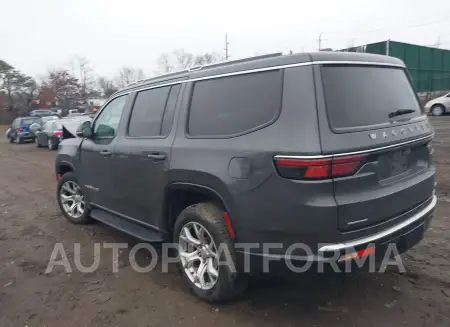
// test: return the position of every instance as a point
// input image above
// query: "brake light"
(19, 129)
(58, 133)
(318, 168)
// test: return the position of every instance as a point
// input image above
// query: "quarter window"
(233, 105)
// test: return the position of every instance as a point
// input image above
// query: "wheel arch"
(180, 195)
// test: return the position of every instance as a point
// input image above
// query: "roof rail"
(157, 77)
(211, 65)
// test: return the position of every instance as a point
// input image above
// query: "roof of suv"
(262, 62)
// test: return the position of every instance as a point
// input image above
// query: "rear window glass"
(28, 121)
(358, 96)
(232, 105)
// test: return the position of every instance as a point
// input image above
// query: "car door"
(143, 155)
(97, 155)
(446, 101)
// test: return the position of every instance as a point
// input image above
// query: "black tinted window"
(148, 110)
(363, 95)
(232, 105)
(170, 110)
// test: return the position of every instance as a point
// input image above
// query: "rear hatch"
(25, 124)
(372, 125)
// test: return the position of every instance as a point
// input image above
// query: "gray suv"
(331, 150)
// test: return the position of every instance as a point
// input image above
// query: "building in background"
(429, 67)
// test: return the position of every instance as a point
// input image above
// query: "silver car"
(438, 106)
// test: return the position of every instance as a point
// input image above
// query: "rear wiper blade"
(400, 112)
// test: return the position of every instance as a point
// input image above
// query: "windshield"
(358, 96)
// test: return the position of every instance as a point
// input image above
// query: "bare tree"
(180, 59)
(106, 86)
(66, 87)
(164, 63)
(128, 75)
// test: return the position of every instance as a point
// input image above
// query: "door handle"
(106, 153)
(156, 156)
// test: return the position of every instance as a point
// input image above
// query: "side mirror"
(35, 127)
(85, 130)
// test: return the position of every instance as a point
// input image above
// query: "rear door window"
(233, 105)
(365, 96)
(148, 110)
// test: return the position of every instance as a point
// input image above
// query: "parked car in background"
(20, 129)
(42, 112)
(438, 106)
(50, 134)
(73, 112)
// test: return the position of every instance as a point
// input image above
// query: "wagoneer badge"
(401, 131)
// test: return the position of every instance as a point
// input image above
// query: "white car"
(438, 106)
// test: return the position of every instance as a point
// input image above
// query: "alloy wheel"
(198, 255)
(50, 145)
(72, 199)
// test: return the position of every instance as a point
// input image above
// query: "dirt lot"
(30, 225)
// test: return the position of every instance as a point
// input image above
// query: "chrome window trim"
(384, 233)
(430, 136)
(257, 70)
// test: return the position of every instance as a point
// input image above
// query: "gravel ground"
(30, 225)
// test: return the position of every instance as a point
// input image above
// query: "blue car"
(20, 129)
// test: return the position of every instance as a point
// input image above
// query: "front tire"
(71, 199)
(204, 241)
(38, 145)
(437, 110)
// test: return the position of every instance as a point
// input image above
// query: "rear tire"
(11, 140)
(437, 110)
(19, 140)
(69, 181)
(38, 145)
(227, 284)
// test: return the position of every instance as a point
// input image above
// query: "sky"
(40, 35)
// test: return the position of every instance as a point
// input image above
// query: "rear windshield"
(358, 96)
(28, 121)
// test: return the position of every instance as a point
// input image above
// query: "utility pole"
(226, 47)
(438, 43)
(320, 40)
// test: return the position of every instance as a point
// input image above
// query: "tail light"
(318, 168)
(58, 133)
(20, 129)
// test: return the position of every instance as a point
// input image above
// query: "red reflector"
(57, 133)
(357, 254)
(226, 216)
(20, 129)
(58, 177)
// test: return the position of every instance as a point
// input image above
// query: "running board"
(125, 225)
